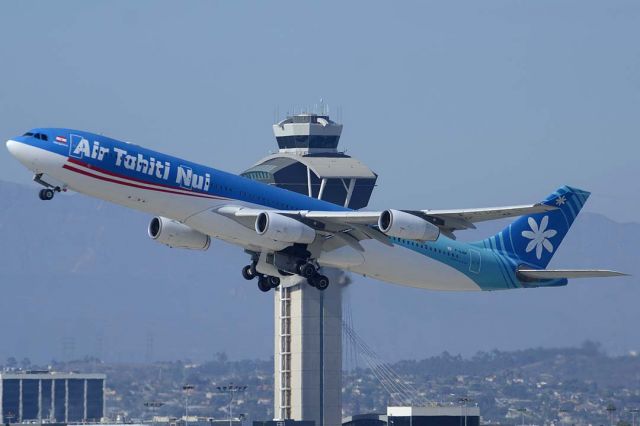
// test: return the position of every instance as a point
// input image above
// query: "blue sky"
(454, 104)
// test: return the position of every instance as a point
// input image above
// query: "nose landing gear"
(49, 190)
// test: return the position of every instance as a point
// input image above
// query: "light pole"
(611, 409)
(463, 402)
(522, 411)
(153, 405)
(187, 389)
(634, 411)
(232, 390)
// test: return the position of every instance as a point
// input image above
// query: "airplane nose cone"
(12, 147)
(19, 151)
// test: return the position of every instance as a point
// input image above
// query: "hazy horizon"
(454, 105)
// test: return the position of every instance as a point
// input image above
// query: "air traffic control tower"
(308, 322)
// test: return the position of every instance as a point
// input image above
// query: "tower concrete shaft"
(308, 353)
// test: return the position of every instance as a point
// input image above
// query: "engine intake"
(175, 234)
(283, 228)
(399, 224)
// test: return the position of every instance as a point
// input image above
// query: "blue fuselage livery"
(290, 236)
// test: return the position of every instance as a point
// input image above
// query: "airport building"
(458, 415)
(37, 396)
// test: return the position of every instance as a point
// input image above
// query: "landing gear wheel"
(263, 284)
(46, 194)
(248, 273)
(307, 270)
(321, 281)
(311, 281)
(274, 282)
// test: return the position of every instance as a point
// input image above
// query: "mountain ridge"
(83, 271)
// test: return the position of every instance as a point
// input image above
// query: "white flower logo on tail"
(539, 236)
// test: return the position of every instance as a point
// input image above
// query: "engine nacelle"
(175, 234)
(283, 228)
(399, 224)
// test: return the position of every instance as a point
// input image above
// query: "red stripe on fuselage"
(107, 172)
(133, 185)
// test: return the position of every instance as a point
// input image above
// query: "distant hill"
(81, 277)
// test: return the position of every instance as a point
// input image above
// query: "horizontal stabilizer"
(553, 274)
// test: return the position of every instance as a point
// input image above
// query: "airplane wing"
(448, 221)
(364, 224)
(552, 274)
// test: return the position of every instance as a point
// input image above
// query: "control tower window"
(314, 141)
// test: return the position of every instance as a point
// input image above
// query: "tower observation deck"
(308, 322)
(308, 162)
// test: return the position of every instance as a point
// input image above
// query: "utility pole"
(232, 390)
(187, 389)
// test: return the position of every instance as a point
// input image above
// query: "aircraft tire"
(248, 273)
(307, 270)
(322, 282)
(46, 194)
(263, 284)
(312, 281)
(274, 282)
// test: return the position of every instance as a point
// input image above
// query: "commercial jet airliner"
(289, 235)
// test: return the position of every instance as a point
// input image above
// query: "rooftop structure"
(455, 415)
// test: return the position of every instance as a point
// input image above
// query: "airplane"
(291, 237)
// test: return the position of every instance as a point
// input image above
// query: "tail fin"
(534, 239)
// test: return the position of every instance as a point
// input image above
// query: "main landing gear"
(314, 279)
(265, 282)
(304, 269)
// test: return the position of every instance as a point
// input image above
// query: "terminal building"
(45, 396)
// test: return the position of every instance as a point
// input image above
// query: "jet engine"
(399, 224)
(175, 234)
(283, 228)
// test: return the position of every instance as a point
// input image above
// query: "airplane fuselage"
(160, 184)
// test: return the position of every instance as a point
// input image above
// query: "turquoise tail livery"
(533, 240)
(530, 242)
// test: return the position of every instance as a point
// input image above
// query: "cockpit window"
(40, 136)
(28, 134)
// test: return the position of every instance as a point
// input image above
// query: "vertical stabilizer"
(534, 239)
